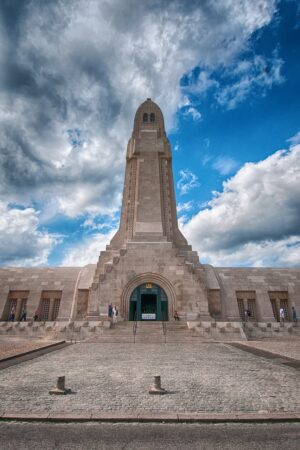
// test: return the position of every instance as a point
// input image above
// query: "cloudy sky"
(226, 75)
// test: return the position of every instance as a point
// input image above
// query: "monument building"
(149, 270)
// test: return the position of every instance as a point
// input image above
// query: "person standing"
(294, 315)
(176, 316)
(115, 314)
(247, 315)
(36, 314)
(12, 314)
(110, 311)
(281, 314)
(23, 314)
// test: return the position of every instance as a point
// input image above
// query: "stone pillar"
(264, 307)
(51, 308)
(93, 303)
(18, 309)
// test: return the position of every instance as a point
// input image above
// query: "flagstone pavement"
(205, 377)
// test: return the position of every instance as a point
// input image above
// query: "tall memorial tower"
(148, 270)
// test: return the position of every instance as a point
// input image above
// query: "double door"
(148, 302)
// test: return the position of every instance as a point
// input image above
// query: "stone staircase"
(105, 331)
(151, 332)
(147, 333)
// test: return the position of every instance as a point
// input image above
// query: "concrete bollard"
(60, 388)
(157, 389)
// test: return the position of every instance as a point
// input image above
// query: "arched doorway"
(148, 302)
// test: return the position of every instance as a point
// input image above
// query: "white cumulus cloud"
(88, 250)
(72, 76)
(256, 215)
(21, 243)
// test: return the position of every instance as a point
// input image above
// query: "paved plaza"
(208, 377)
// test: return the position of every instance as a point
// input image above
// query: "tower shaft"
(148, 207)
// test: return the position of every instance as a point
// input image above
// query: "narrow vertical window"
(145, 117)
(152, 117)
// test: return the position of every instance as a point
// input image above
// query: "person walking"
(294, 315)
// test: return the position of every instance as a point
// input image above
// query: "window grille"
(275, 309)
(23, 303)
(241, 308)
(12, 303)
(284, 305)
(45, 309)
(251, 307)
(56, 308)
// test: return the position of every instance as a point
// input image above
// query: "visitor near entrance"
(115, 314)
(281, 314)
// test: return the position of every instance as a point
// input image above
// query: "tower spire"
(149, 206)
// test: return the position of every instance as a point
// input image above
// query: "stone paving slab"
(115, 379)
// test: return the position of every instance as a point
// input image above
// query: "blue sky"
(226, 76)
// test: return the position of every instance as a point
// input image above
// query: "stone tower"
(148, 270)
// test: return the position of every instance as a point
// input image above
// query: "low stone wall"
(55, 330)
(219, 331)
(260, 330)
(239, 331)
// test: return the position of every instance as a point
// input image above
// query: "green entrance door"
(148, 302)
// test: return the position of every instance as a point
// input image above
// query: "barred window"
(45, 309)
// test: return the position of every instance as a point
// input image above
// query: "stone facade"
(149, 252)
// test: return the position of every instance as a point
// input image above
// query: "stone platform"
(171, 331)
(114, 379)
